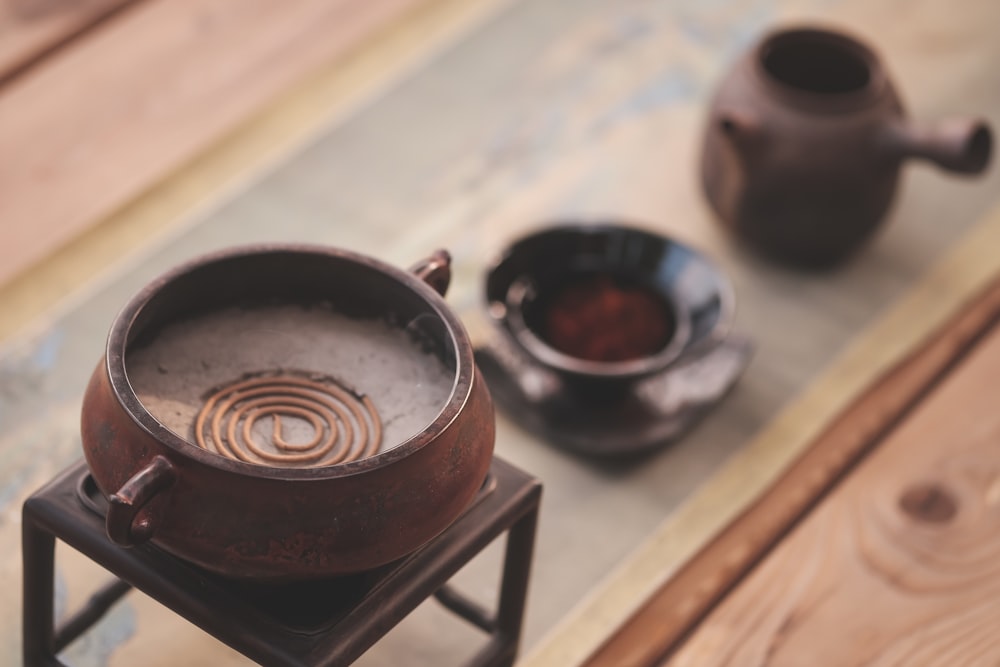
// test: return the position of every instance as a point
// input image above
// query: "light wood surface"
(283, 125)
(95, 125)
(682, 602)
(898, 565)
(29, 29)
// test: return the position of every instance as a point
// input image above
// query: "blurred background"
(136, 134)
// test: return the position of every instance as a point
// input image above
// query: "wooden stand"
(326, 623)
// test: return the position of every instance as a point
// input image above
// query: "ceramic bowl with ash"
(288, 412)
(607, 305)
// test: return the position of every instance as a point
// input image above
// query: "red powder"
(600, 319)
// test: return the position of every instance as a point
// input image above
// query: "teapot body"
(804, 143)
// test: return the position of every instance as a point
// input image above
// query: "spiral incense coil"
(345, 426)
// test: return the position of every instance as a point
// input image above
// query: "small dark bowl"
(698, 295)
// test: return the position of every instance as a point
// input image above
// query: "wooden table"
(195, 70)
(877, 546)
(464, 126)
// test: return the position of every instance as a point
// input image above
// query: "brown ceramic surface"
(804, 142)
(280, 523)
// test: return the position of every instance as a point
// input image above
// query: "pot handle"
(124, 524)
(435, 271)
(743, 130)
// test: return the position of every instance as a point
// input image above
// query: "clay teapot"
(804, 143)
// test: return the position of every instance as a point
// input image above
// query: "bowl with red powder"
(607, 304)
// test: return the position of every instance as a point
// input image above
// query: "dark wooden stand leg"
(505, 627)
(38, 549)
(42, 640)
(514, 589)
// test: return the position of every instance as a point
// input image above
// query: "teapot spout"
(962, 145)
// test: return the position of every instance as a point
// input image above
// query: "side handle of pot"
(435, 271)
(126, 524)
(962, 145)
(742, 130)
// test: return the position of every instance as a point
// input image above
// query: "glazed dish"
(609, 339)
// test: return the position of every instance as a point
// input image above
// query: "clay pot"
(281, 523)
(805, 138)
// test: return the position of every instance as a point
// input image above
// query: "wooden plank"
(134, 99)
(30, 30)
(899, 565)
(684, 600)
(282, 126)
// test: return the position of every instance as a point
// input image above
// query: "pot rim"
(836, 102)
(122, 325)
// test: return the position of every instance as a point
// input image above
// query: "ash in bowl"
(289, 385)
